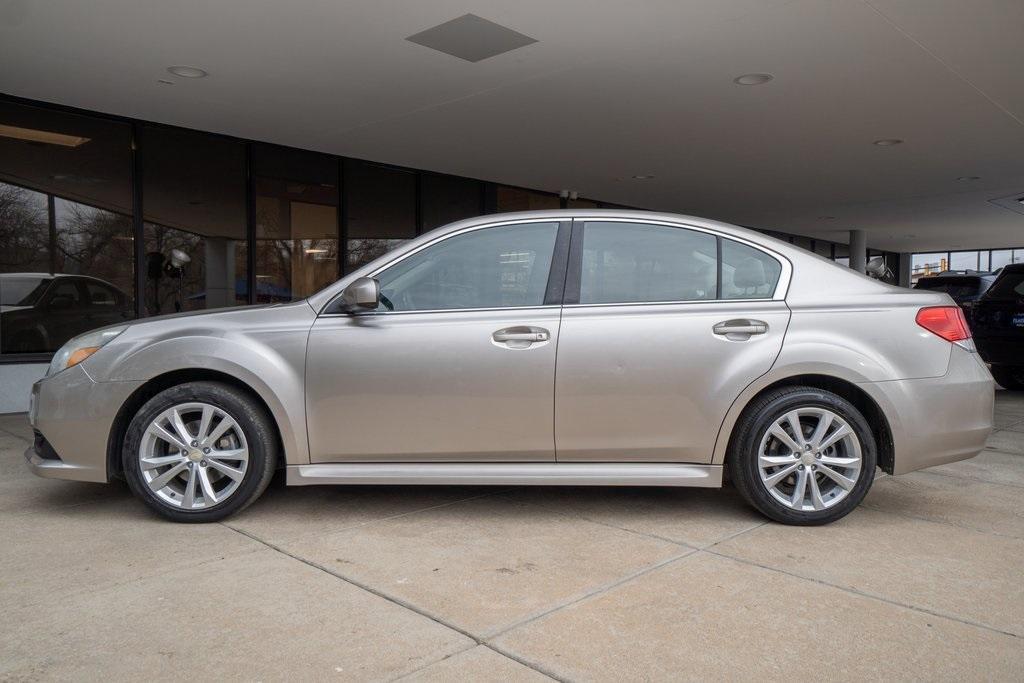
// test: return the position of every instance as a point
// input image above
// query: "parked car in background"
(964, 286)
(589, 347)
(998, 324)
(41, 311)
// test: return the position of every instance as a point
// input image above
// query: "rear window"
(1008, 286)
(954, 286)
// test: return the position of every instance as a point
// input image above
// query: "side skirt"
(518, 474)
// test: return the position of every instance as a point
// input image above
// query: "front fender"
(266, 353)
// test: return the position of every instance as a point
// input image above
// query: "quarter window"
(748, 273)
(487, 268)
(633, 262)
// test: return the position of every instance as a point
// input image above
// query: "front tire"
(802, 455)
(199, 452)
(1010, 377)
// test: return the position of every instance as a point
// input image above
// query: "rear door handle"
(740, 327)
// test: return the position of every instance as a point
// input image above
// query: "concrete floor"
(925, 581)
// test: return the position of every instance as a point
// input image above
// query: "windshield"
(22, 291)
(1008, 286)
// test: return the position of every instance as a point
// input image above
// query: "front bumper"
(938, 420)
(72, 416)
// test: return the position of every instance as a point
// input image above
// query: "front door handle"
(740, 328)
(520, 334)
(519, 337)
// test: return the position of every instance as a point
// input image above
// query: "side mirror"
(362, 295)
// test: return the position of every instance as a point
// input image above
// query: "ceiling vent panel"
(471, 38)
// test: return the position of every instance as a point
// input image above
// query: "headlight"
(81, 347)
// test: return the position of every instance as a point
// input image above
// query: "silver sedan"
(558, 347)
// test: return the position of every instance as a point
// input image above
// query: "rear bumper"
(940, 419)
(72, 416)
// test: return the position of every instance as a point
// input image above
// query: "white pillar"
(858, 250)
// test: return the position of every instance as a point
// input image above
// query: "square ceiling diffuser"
(471, 38)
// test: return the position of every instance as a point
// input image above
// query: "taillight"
(945, 321)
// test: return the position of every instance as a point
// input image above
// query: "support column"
(905, 270)
(858, 250)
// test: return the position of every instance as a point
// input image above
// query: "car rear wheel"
(803, 456)
(199, 452)
(1009, 376)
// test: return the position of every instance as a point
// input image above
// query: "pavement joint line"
(691, 551)
(385, 596)
(919, 518)
(407, 674)
(591, 593)
(864, 594)
(539, 668)
(360, 584)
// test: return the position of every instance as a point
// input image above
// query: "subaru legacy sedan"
(604, 348)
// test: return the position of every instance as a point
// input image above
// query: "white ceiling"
(612, 89)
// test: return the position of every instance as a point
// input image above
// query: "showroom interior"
(162, 158)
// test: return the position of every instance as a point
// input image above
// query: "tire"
(771, 484)
(1010, 377)
(211, 480)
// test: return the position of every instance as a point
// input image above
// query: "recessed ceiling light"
(888, 142)
(752, 79)
(642, 177)
(187, 71)
(969, 177)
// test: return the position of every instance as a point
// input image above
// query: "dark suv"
(998, 326)
(966, 287)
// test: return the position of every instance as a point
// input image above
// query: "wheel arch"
(868, 407)
(154, 386)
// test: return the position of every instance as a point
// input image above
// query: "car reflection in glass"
(40, 311)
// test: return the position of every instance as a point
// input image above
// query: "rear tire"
(200, 452)
(811, 478)
(1009, 377)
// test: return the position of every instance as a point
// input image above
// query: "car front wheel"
(199, 452)
(802, 455)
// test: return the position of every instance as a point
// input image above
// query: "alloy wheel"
(193, 456)
(809, 459)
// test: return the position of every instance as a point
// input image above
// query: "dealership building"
(200, 158)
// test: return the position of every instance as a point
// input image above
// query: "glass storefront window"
(928, 264)
(446, 199)
(296, 222)
(66, 254)
(983, 260)
(963, 260)
(518, 199)
(381, 210)
(193, 190)
(1000, 258)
